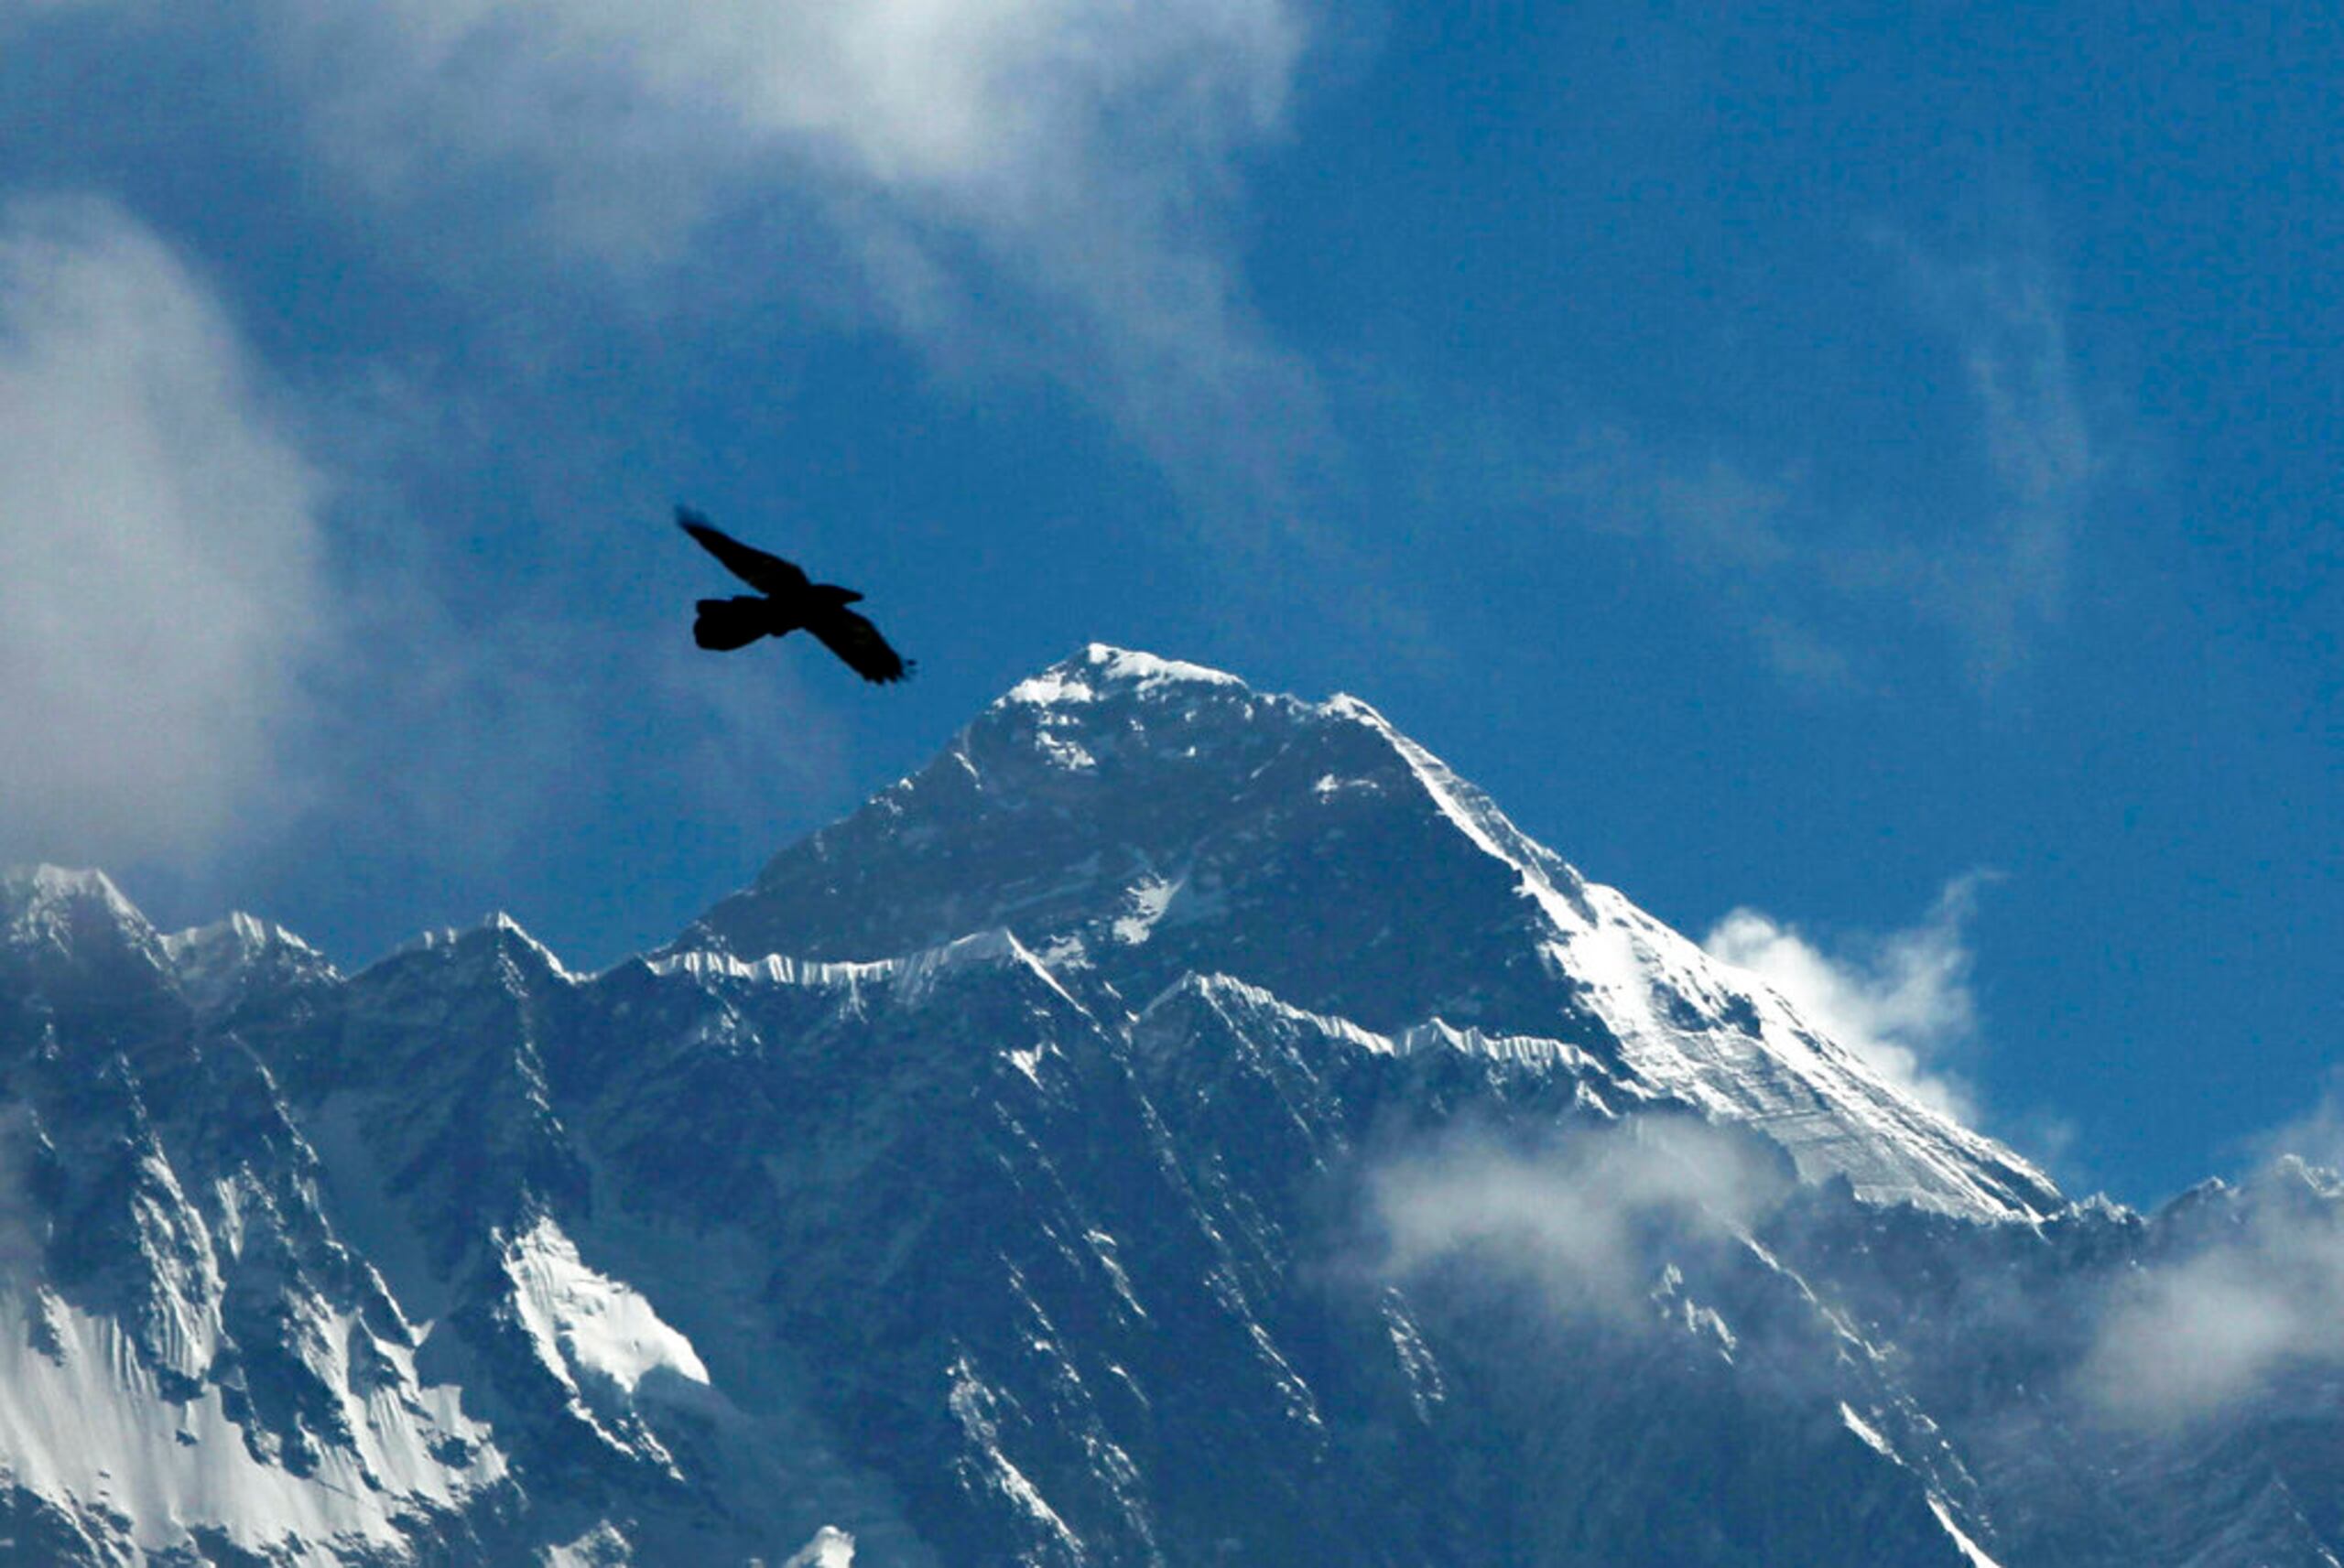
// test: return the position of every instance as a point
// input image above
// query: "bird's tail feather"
(726, 624)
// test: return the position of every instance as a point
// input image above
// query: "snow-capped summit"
(73, 932)
(59, 908)
(1134, 819)
(1103, 668)
(217, 964)
(71, 944)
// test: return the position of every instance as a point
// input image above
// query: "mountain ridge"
(1196, 1126)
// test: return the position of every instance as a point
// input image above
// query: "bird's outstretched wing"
(767, 574)
(852, 638)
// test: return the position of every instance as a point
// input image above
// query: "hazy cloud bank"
(160, 584)
(197, 663)
(2250, 1295)
(2192, 1336)
(2317, 1135)
(1007, 112)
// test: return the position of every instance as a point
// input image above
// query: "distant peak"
(496, 931)
(31, 886)
(213, 962)
(238, 932)
(2294, 1171)
(1344, 704)
(50, 899)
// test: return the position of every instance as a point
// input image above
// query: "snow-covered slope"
(1180, 1125)
(191, 1359)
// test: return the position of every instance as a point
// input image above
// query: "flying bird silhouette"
(790, 603)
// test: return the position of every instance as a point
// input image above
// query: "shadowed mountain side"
(1133, 820)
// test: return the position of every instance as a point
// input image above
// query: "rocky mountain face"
(1181, 1125)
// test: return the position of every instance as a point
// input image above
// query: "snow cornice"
(995, 948)
(1218, 990)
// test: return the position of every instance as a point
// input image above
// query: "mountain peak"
(1092, 691)
(215, 963)
(1101, 669)
(496, 934)
(32, 894)
(1132, 819)
(57, 914)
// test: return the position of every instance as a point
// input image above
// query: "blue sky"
(1862, 481)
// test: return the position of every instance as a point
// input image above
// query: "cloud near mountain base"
(1576, 1217)
(2225, 1320)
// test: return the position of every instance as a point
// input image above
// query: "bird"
(785, 602)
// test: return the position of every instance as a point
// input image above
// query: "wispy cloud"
(217, 650)
(2245, 1293)
(1711, 515)
(1040, 182)
(2006, 578)
(160, 587)
(1021, 103)
(1903, 1002)
(1579, 1216)
(2193, 1335)
(1988, 564)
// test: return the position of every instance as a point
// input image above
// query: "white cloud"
(1577, 1217)
(1900, 1003)
(2189, 1337)
(2193, 1334)
(160, 578)
(1027, 185)
(1038, 176)
(1005, 101)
